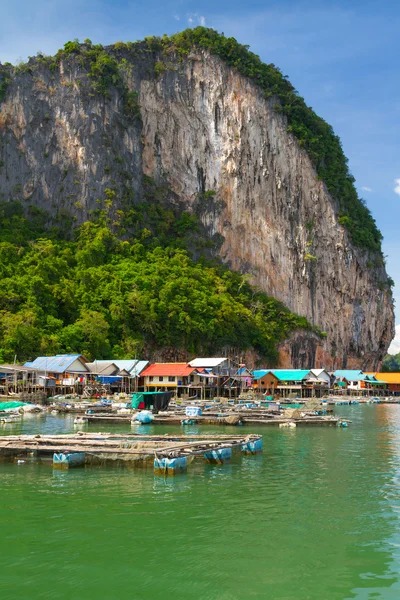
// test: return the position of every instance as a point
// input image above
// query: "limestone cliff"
(203, 127)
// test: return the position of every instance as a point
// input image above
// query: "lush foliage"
(4, 81)
(313, 133)
(104, 71)
(391, 363)
(102, 296)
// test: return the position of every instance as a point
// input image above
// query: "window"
(171, 378)
(191, 378)
(151, 378)
(161, 379)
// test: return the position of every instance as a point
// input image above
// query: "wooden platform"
(220, 419)
(131, 449)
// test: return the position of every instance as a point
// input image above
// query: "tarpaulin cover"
(8, 405)
(156, 400)
(108, 379)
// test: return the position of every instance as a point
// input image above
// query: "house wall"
(266, 382)
(77, 366)
(192, 380)
(321, 379)
(154, 381)
(355, 385)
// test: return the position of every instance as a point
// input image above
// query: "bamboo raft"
(168, 454)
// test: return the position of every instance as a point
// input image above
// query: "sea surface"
(316, 516)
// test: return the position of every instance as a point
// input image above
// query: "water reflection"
(315, 516)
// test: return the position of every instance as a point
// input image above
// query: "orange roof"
(160, 369)
(388, 377)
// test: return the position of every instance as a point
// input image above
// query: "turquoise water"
(316, 516)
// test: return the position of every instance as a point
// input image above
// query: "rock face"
(204, 127)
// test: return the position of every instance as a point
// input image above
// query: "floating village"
(204, 391)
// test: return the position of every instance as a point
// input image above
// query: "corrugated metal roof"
(161, 369)
(244, 371)
(103, 367)
(57, 364)
(207, 362)
(290, 374)
(319, 375)
(121, 364)
(139, 368)
(318, 372)
(355, 376)
(373, 376)
(348, 373)
(257, 374)
(387, 377)
(10, 368)
(132, 366)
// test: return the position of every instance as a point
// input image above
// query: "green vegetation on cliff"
(391, 363)
(103, 296)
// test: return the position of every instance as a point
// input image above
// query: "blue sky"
(343, 57)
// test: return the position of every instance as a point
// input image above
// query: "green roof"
(341, 384)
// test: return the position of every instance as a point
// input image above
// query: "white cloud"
(177, 17)
(366, 189)
(396, 189)
(196, 18)
(394, 347)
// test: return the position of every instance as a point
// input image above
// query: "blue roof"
(56, 364)
(290, 374)
(257, 374)
(283, 374)
(243, 371)
(350, 374)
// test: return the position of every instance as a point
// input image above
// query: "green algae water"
(316, 516)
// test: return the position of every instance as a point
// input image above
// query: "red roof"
(160, 369)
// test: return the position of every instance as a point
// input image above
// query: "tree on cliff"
(391, 363)
(101, 296)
